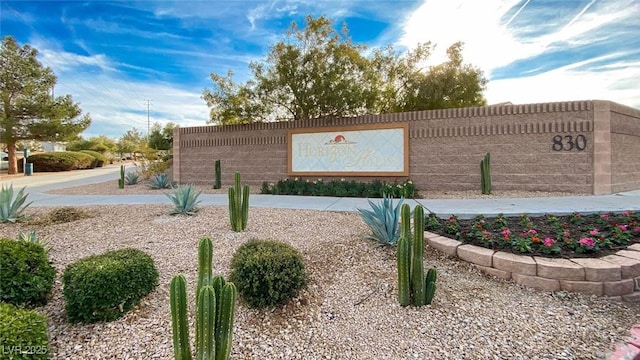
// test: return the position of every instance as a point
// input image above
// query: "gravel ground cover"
(349, 309)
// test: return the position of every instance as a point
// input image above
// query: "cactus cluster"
(238, 205)
(121, 180)
(485, 174)
(215, 307)
(218, 173)
(414, 288)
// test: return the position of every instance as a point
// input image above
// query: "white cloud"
(498, 33)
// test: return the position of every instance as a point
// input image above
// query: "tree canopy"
(101, 144)
(131, 141)
(317, 71)
(161, 138)
(28, 111)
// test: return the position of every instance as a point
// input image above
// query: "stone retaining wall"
(615, 276)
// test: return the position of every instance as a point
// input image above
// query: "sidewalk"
(37, 186)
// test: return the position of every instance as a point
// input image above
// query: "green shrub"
(60, 161)
(99, 159)
(267, 272)
(104, 287)
(26, 272)
(23, 333)
(340, 188)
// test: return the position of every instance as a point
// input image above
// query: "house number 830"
(568, 143)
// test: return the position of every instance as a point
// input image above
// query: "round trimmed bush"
(267, 272)
(98, 159)
(26, 272)
(23, 333)
(60, 161)
(104, 287)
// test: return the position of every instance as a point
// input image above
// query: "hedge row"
(63, 161)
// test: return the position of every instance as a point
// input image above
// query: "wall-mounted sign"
(367, 150)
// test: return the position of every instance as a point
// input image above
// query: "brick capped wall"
(586, 147)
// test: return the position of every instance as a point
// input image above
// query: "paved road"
(38, 184)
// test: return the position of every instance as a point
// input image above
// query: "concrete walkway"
(38, 184)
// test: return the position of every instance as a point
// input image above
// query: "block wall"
(582, 147)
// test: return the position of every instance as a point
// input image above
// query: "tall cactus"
(238, 205)
(413, 287)
(121, 180)
(218, 174)
(485, 174)
(179, 320)
(215, 307)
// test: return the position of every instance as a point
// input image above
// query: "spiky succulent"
(160, 181)
(131, 178)
(383, 220)
(185, 200)
(11, 208)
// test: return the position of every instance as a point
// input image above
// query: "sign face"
(368, 150)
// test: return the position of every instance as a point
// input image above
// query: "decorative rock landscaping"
(614, 276)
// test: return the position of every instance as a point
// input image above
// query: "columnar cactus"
(215, 307)
(485, 174)
(121, 180)
(238, 205)
(218, 173)
(179, 319)
(413, 287)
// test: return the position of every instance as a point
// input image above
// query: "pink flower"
(593, 232)
(623, 227)
(565, 234)
(625, 213)
(588, 242)
(636, 229)
(532, 231)
(506, 232)
(548, 242)
(604, 216)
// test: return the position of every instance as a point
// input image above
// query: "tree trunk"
(13, 164)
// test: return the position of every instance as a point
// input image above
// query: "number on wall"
(569, 143)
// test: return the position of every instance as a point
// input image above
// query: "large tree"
(317, 71)
(161, 138)
(28, 111)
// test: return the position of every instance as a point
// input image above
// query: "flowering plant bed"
(567, 236)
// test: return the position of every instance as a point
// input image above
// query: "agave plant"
(185, 199)
(383, 220)
(131, 178)
(11, 208)
(32, 237)
(160, 181)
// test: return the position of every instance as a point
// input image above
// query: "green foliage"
(104, 287)
(184, 199)
(11, 208)
(27, 274)
(485, 174)
(61, 161)
(32, 237)
(99, 159)
(23, 334)
(383, 220)
(413, 287)
(27, 109)
(161, 138)
(267, 272)
(238, 205)
(218, 174)
(215, 308)
(160, 181)
(340, 188)
(316, 71)
(101, 144)
(131, 177)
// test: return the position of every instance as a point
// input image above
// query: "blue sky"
(112, 56)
